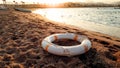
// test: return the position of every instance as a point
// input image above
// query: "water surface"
(103, 20)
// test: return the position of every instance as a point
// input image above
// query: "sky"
(59, 1)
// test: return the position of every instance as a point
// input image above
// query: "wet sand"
(20, 44)
(109, 30)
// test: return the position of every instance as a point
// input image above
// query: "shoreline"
(100, 28)
(93, 27)
(87, 25)
(20, 44)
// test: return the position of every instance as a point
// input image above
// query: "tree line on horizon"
(62, 5)
(98, 4)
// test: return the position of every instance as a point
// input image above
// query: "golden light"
(52, 1)
(82, 0)
(59, 1)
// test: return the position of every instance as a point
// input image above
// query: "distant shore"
(20, 44)
(63, 5)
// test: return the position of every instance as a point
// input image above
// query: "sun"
(52, 1)
(82, 0)
(59, 1)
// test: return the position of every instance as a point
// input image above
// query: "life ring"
(66, 50)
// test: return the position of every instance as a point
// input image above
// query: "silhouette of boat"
(22, 10)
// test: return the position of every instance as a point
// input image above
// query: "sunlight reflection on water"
(54, 14)
(51, 14)
(106, 16)
(88, 18)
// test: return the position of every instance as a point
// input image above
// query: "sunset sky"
(60, 1)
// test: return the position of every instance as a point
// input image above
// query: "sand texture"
(20, 44)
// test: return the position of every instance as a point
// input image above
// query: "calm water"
(106, 16)
(103, 17)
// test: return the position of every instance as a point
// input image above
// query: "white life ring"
(66, 50)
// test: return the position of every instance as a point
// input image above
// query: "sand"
(20, 44)
(97, 28)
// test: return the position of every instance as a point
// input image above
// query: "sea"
(99, 19)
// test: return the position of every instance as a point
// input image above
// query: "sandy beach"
(20, 44)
